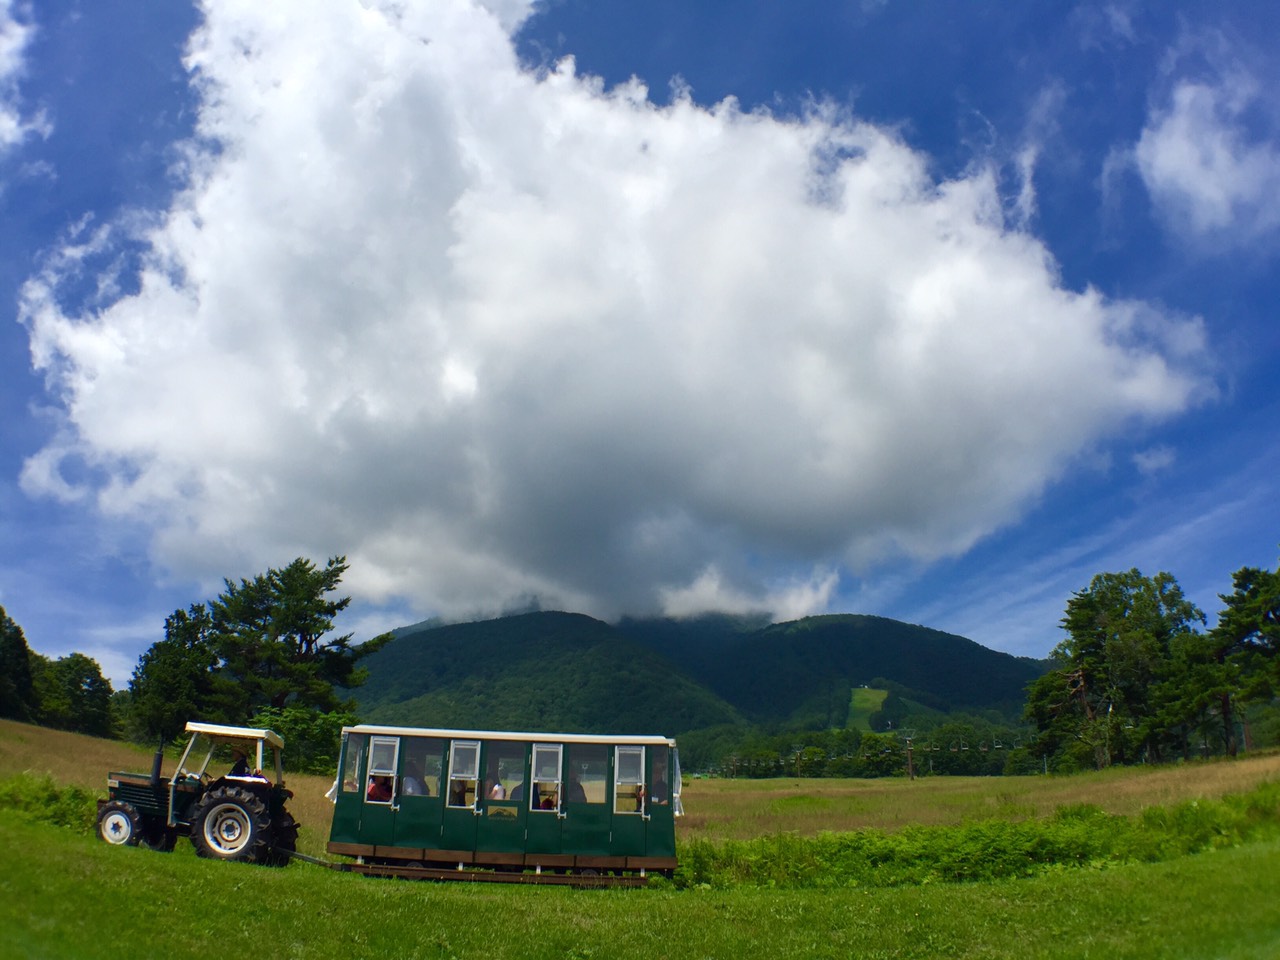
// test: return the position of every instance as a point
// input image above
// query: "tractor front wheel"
(231, 823)
(119, 823)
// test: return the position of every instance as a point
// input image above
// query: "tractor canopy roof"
(220, 731)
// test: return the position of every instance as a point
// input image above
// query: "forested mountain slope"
(803, 670)
(568, 672)
(560, 672)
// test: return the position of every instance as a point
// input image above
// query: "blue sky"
(924, 310)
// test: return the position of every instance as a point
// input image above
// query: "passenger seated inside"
(498, 791)
(548, 802)
(574, 792)
(379, 790)
(240, 766)
(458, 790)
(658, 794)
(411, 783)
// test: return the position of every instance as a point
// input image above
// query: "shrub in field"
(39, 798)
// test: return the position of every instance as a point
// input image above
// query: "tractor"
(237, 815)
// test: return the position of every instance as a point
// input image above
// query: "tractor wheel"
(286, 839)
(119, 823)
(231, 823)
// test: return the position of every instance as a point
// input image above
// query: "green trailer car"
(530, 807)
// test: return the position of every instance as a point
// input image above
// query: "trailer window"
(659, 785)
(464, 772)
(588, 773)
(628, 781)
(351, 760)
(383, 754)
(546, 777)
(504, 779)
(423, 767)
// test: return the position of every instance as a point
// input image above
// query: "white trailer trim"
(447, 734)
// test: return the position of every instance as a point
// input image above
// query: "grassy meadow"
(65, 894)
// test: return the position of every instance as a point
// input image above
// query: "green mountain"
(803, 671)
(568, 672)
(563, 672)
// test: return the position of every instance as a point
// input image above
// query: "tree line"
(69, 693)
(1139, 679)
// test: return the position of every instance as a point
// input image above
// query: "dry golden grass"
(735, 809)
(741, 809)
(69, 758)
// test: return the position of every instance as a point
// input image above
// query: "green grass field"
(65, 894)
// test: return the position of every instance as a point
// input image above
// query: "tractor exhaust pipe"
(156, 763)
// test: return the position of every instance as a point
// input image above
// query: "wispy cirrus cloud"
(16, 33)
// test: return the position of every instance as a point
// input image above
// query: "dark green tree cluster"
(955, 744)
(1139, 679)
(73, 694)
(17, 687)
(259, 650)
(69, 693)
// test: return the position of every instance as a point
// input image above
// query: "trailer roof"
(450, 734)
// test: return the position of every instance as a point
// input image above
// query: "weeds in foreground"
(40, 799)
(1080, 835)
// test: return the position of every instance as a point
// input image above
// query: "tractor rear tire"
(286, 839)
(231, 823)
(120, 824)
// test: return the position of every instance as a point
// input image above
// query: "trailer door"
(585, 829)
(629, 813)
(461, 809)
(378, 817)
(349, 798)
(421, 792)
(660, 804)
(547, 799)
(501, 824)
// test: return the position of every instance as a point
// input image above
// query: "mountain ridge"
(568, 672)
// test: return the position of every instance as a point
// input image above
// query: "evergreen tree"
(260, 645)
(1124, 634)
(1249, 628)
(17, 691)
(173, 681)
(268, 634)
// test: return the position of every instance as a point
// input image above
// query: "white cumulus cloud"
(503, 336)
(1210, 166)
